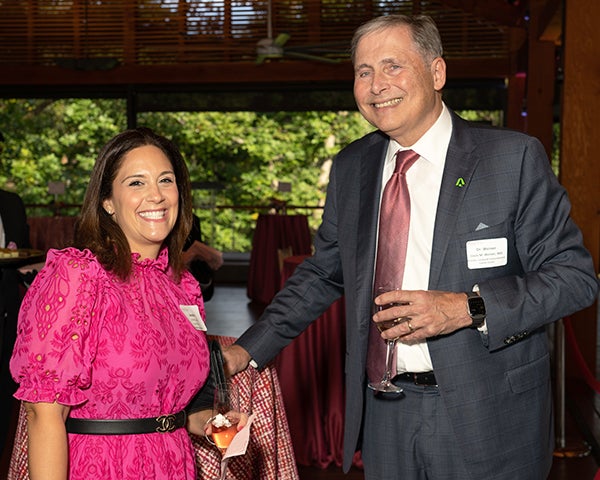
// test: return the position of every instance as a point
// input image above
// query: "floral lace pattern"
(113, 350)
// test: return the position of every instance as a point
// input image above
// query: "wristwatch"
(475, 309)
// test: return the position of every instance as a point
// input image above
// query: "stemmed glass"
(385, 384)
(225, 418)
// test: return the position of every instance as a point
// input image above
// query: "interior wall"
(580, 144)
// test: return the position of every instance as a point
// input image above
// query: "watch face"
(476, 307)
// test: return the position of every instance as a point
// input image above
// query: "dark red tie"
(394, 219)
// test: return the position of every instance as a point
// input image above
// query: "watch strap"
(476, 309)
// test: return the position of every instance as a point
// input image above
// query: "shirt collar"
(161, 262)
(433, 145)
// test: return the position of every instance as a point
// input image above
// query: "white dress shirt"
(424, 179)
(2, 234)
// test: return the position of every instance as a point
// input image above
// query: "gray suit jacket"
(497, 387)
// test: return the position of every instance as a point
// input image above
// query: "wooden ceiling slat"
(58, 26)
(159, 34)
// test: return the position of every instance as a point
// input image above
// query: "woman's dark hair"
(95, 228)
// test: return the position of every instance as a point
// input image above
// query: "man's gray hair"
(424, 32)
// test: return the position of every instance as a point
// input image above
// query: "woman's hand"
(199, 422)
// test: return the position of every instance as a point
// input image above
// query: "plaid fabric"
(269, 456)
(17, 469)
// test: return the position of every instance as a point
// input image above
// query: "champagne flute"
(385, 384)
(225, 417)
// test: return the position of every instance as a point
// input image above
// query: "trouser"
(409, 437)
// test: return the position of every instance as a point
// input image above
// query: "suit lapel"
(458, 170)
(371, 165)
(365, 162)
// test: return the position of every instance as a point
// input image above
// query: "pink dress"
(113, 350)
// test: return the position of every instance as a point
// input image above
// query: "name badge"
(192, 313)
(487, 253)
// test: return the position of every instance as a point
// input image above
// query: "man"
(487, 215)
(14, 231)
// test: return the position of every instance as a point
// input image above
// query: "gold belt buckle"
(166, 423)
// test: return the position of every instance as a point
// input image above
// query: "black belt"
(162, 424)
(421, 378)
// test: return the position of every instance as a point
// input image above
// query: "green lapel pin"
(460, 182)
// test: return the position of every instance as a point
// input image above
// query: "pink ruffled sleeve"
(191, 288)
(58, 325)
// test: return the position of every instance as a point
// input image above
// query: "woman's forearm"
(48, 452)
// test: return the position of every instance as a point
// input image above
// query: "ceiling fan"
(274, 47)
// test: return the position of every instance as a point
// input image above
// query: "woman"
(112, 329)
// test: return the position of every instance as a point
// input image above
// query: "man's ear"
(438, 72)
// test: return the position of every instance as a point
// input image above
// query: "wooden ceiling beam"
(221, 73)
(176, 57)
(551, 20)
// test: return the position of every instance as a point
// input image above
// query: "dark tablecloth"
(311, 373)
(51, 232)
(274, 232)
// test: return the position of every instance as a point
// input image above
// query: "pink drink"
(223, 431)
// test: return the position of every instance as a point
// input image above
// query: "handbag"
(203, 400)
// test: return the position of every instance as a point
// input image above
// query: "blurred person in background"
(14, 234)
(202, 260)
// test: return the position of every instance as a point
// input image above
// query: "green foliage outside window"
(248, 156)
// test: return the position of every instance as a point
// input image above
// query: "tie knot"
(405, 160)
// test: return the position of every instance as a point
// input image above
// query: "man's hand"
(236, 359)
(422, 314)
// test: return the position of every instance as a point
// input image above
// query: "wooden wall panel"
(580, 145)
